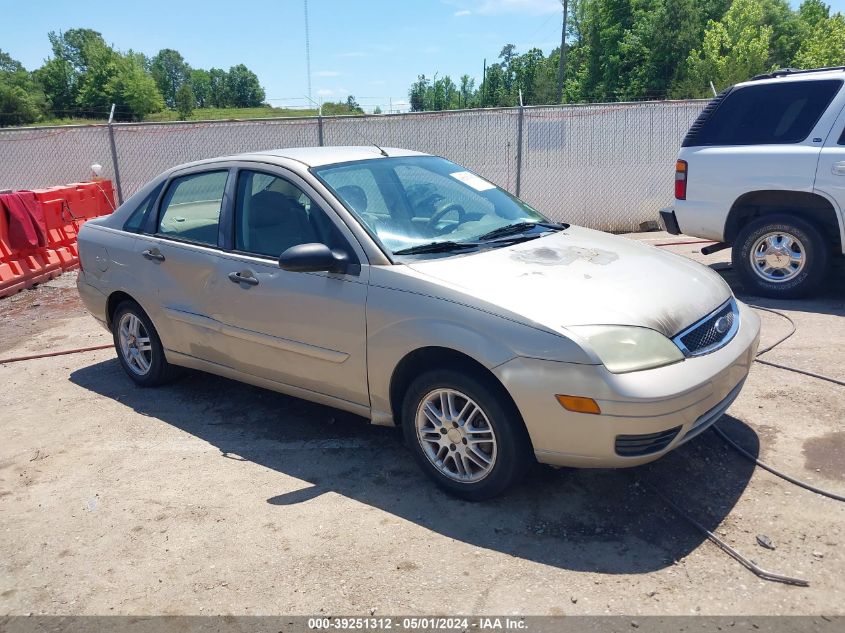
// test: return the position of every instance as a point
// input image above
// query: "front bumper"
(644, 414)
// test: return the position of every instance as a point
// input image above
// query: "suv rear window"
(765, 114)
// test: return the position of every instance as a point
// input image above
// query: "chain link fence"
(605, 166)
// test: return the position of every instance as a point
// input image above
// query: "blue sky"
(373, 49)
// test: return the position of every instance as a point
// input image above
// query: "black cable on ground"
(775, 471)
(746, 454)
(835, 381)
(730, 551)
(778, 342)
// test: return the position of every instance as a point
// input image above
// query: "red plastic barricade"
(65, 209)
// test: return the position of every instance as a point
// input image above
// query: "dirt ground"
(212, 497)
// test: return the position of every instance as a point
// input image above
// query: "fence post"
(114, 158)
(519, 146)
(320, 129)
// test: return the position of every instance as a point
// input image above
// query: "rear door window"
(137, 220)
(768, 114)
(190, 209)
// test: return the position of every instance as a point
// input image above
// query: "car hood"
(585, 277)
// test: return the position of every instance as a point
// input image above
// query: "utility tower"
(307, 49)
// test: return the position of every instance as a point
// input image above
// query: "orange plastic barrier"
(66, 209)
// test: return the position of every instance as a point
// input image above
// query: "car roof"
(790, 76)
(318, 156)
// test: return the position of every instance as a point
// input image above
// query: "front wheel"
(465, 434)
(780, 256)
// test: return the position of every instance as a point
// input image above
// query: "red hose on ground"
(63, 352)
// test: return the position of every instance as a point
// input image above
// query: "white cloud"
(462, 13)
(353, 54)
(327, 73)
(324, 92)
(529, 7)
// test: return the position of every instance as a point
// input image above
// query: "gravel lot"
(212, 497)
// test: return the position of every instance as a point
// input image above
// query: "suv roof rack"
(783, 72)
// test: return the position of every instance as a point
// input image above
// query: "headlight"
(627, 348)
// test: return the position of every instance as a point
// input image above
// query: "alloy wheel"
(135, 346)
(456, 435)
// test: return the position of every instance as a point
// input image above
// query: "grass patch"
(206, 114)
(201, 114)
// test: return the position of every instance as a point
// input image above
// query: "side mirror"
(313, 258)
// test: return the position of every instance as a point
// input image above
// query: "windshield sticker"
(476, 182)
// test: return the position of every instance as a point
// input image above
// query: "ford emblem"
(723, 324)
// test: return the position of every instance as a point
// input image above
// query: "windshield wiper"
(520, 227)
(435, 247)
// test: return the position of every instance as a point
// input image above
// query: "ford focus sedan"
(409, 290)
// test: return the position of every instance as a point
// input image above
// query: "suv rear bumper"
(670, 221)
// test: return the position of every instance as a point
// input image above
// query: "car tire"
(496, 419)
(139, 348)
(787, 237)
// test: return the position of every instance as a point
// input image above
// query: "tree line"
(626, 50)
(84, 76)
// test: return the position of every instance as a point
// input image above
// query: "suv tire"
(780, 256)
(480, 453)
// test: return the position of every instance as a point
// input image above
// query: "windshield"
(411, 201)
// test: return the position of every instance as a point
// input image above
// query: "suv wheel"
(139, 347)
(780, 256)
(464, 434)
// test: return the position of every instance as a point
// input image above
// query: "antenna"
(383, 153)
(307, 49)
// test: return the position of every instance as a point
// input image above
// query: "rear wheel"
(138, 346)
(465, 434)
(780, 256)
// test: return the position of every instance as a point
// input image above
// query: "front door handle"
(153, 254)
(244, 277)
(839, 168)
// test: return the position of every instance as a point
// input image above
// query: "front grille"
(638, 445)
(711, 333)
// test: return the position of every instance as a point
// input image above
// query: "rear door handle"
(245, 277)
(153, 254)
(839, 168)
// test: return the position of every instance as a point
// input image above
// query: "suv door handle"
(245, 277)
(839, 168)
(153, 254)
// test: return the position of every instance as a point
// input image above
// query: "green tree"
(352, 104)
(21, 98)
(824, 42)
(734, 49)
(243, 87)
(466, 91)
(218, 88)
(201, 85)
(132, 89)
(62, 74)
(185, 101)
(417, 94)
(170, 71)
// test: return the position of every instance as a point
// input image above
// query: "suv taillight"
(681, 180)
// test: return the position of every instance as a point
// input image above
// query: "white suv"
(762, 169)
